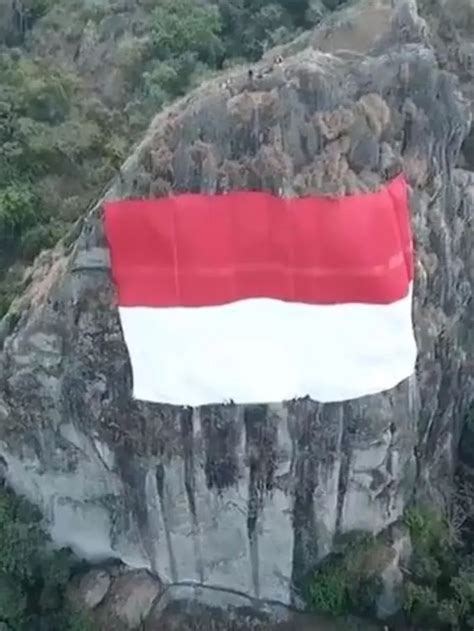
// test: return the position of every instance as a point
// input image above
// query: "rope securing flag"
(257, 298)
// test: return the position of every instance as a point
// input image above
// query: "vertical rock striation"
(249, 499)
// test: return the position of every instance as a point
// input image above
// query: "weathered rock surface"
(115, 598)
(135, 600)
(129, 601)
(186, 608)
(93, 588)
(249, 499)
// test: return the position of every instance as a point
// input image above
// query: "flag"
(256, 298)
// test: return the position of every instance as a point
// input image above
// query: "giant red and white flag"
(257, 298)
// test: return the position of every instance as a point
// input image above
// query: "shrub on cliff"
(33, 577)
(348, 580)
(56, 145)
(439, 590)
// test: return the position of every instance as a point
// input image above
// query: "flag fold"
(257, 298)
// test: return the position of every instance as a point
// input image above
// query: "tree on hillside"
(60, 139)
(32, 578)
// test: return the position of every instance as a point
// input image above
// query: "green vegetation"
(439, 590)
(439, 580)
(65, 129)
(184, 45)
(348, 580)
(51, 140)
(33, 578)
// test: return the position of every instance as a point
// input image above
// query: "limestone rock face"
(249, 499)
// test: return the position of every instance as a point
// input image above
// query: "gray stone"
(95, 258)
(174, 492)
(390, 600)
(93, 588)
(188, 608)
(129, 601)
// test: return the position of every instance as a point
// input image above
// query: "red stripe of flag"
(196, 250)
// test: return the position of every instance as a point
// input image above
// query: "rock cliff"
(250, 499)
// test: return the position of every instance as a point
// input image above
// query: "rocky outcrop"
(136, 600)
(114, 598)
(250, 499)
